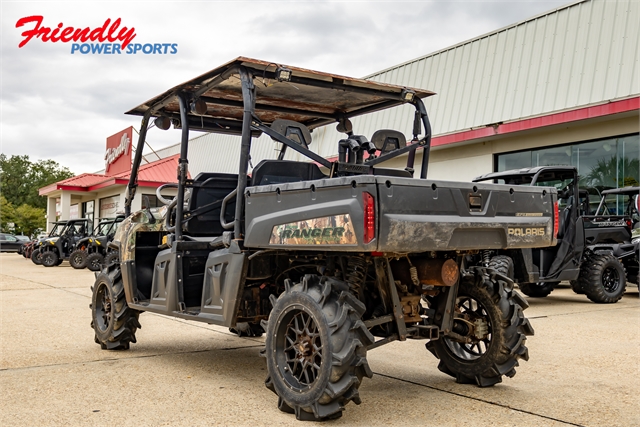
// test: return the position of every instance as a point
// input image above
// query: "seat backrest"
(209, 188)
(281, 171)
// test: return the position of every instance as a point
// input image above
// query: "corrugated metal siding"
(581, 54)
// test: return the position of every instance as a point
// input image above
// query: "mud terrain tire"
(49, 259)
(114, 323)
(36, 257)
(78, 259)
(112, 258)
(484, 362)
(316, 348)
(576, 287)
(502, 264)
(602, 278)
(95, 261)
(537, 290)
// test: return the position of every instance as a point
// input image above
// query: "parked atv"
(591, 249)
(54, 250)
(626, 252)
(92, 252)
(330, 262)
(33, 251)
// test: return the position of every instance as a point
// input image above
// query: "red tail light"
(369, 217)
(629, 223)
(556, 220)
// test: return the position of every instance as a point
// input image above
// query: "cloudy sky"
(62, 106)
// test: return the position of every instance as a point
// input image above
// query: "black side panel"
(280, 171)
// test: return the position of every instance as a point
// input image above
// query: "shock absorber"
(486, 257)
(356, 273)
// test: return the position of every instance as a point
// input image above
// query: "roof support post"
(130, 192)
(248, 98)
(427, 136)
(183, 164)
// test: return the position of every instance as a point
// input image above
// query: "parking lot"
(583, 368)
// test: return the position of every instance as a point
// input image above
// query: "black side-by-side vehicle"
(592, 250)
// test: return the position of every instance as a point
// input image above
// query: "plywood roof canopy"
(311, 97)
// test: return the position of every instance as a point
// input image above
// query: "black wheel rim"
(299, 349)
(610, 279)
(471, 310)
(77, 259)
(95, 263)
(103, 307)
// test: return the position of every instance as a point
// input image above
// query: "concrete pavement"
(583, 369)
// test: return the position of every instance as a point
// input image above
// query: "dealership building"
(560, 88)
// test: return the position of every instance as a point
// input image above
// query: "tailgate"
(420, 215)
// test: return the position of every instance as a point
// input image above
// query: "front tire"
(537, 290)
(496, 342)
(602, 277)
(49, 258)
(36, 257)
(78, 259)
(114, 323)
(95, 261)
(316, 348)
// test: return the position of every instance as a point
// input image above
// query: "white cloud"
(62, 106)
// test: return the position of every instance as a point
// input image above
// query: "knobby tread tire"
(509, 331)
(95, 261)
(337, 314)
(112, 258)
(78, 259)
(49, 259)
(35, 257)
(537, 290)
(591, 278)
(124, 320)
(576, 287)
(503, 264)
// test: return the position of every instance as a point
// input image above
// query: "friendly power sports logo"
(109, 38)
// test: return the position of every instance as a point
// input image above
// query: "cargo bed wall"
(411, 215)
(438, 215)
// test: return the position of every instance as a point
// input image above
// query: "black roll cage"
(252, 126)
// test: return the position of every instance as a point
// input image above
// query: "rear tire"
(95, 261)
(502, 264)
(485, 360)
(114, 323)
(316, 348)
(602, 277)
(36, 257)
(49, 258)
(112, 258)
(576, 287)
(78, 259)
(537, 290)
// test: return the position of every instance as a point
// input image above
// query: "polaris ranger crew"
(330, 258)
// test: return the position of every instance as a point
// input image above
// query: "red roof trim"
(601, 110)
(614, 107)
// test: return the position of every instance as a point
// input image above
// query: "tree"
(7, 215)
(29, 220)
(614, 172)
(20, 179)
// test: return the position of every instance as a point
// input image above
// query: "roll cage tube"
(130, 192)
(182, 165)
(248, 99)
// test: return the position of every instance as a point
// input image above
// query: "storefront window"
(602, 164)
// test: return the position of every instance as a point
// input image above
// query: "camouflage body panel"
(329, 230)
(138, 222)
